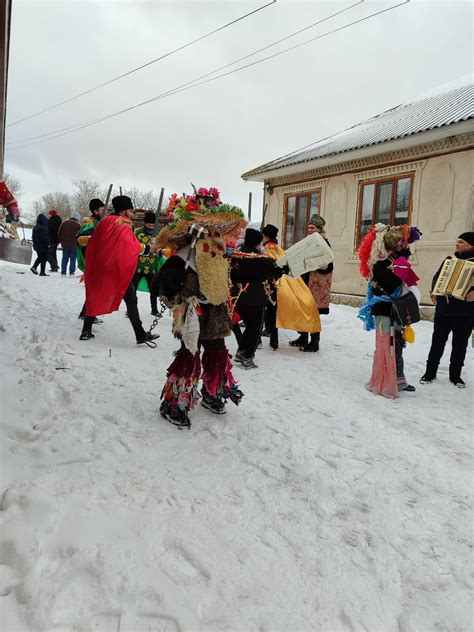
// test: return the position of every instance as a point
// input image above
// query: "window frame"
(378, 181)
(296, 195)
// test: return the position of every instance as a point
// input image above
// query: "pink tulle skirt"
(384, 369)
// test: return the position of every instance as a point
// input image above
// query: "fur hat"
(317, 220)
(95, 204)
(270, 231)
(75, 215)
(122, 203)
(150, 217)
(253, 238)
(468, 237)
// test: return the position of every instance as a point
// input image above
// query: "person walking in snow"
(270, 243)
(452, 315)
(112, 255)
(88, 225)
(41, 244)
(54, 223)
(250, 304)
(67, 237)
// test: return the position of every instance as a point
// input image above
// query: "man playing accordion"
(452, 314)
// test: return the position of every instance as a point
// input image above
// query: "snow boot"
(87, 335)
(406, 388)
(214, 404)
(301, 341)
(427, 379)
(33, 269)
(274, 340)
(148, 339)
(458, 382)
(248, 363)
(175, 416)
(313, 345)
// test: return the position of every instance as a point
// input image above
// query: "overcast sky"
(212, 134)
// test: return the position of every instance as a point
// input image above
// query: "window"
(298, 210)
(387, 201)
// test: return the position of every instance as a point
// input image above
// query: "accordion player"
(455, 279)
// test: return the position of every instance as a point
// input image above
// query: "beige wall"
(442, 208)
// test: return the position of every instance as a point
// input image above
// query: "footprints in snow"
(182, 566)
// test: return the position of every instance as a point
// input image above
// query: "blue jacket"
(41, 235)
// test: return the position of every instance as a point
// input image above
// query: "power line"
(193, 81)
(145, 65)
(195, 85)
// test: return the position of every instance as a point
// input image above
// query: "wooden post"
(250, 205)
(158, 210)
(109, 193)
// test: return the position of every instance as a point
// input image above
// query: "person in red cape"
(8, 200)
(112, 255)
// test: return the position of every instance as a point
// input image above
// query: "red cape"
(112, 255)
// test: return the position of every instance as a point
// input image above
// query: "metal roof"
(425, 114)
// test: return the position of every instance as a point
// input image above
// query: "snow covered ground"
(314, 505)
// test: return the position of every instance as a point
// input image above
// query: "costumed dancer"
(452, 315)
(112, 255)
(319, 282)
(148, 265)
(88, 225)
(377, 267)
(273, 250)
(195, 284)
(250, 295)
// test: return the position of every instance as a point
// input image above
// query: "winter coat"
(384, 282)
(67, 233)
(450, 306)
(253, 292)
(41, 235)
(54, 223)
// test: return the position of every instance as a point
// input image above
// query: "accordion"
(455, 278)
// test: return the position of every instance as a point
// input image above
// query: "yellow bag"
(296, 308)
(409, 334)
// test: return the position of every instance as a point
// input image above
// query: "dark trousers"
(41, 261)
(153, 298)
(131, 302)
(253, 319)
(400, 344)
(52, 258)
(461, 329)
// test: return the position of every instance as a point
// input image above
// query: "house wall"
(443, 200)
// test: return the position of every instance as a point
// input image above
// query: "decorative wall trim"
(451, 144)
(407, 167)
(306, 186)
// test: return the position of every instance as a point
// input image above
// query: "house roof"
(404, 120)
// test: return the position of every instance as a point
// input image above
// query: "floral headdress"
(379, 240)
(204, 208)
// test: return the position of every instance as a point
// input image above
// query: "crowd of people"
(218, 275)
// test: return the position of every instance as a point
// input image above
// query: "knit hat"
(317, 220)
(270, 231)
(252, 238)
(150, 217)
(76, 215)
(469, 237)
(95, 204)
(52, 212)
(122, 203)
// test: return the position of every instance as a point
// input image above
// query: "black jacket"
(54, 223)
(41, 235)
(384, 282)
(251, 274)
(450, 306)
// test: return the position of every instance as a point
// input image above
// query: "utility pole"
(250, 205)
(158, 210)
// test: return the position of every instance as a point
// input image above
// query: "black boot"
(313, 345)
(301, 341)
(274, 340)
